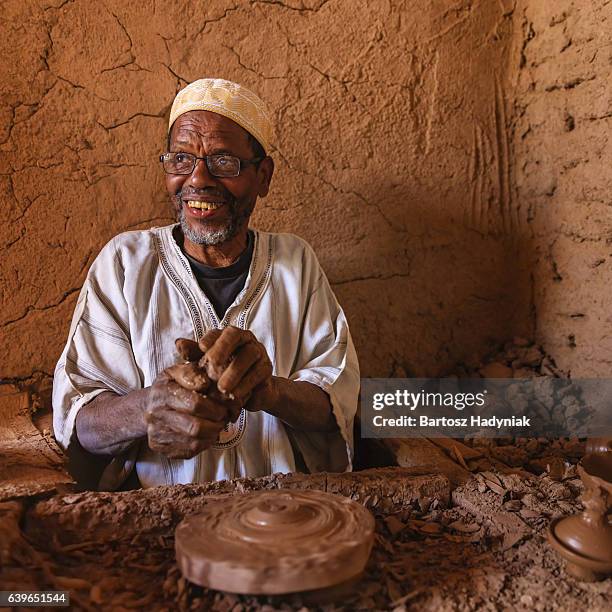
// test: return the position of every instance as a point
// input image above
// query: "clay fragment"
(275, 542)
(513, 505)
(462, 527)
(431, 528)
(511, 539)
(394, 525)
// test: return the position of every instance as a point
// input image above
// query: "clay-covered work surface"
(30, 460)
(487, 552)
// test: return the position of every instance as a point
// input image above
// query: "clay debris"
(518, 358)
(485, 552)
(459, 459)
(557, 404)
(134, 512)
(523, 359)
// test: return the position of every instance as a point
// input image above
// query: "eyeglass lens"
(218, 165)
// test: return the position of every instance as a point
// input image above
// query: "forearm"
(301, 405)
(110, 423)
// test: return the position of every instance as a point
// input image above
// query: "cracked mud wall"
(393, 158)
(563, 146)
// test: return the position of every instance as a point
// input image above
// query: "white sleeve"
(98, 355)
(327, 358)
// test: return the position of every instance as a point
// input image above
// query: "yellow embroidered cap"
(230, 100)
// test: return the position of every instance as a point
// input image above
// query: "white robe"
(140, 295)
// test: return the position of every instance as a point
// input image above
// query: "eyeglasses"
(224, 166)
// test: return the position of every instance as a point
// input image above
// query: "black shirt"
(222, 285)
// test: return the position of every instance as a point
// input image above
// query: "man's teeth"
(204, 205)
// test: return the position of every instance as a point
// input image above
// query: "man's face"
(205, 133)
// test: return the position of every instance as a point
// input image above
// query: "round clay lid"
(273, 542)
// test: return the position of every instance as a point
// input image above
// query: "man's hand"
(182, 423)
(240, 365)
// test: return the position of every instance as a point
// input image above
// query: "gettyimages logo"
(422, 399)
(480, 407)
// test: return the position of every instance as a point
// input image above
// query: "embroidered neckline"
(185, 282)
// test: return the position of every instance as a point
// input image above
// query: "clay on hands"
(196, 374)
(239, 364)
(195, 353)
(190, 376)
(185, 412)
(228, 365)
(180, 422)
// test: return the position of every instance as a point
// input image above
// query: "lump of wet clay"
(194, 375)
(191, 352)
(190, 376)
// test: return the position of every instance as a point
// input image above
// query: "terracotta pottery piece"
(585, 540)
(275, 542)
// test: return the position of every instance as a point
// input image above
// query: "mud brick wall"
(563, 145)
(394, 158)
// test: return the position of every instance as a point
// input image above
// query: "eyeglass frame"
(242, 163)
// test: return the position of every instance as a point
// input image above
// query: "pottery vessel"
(585, 540)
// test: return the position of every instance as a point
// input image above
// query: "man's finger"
(174, 449)
(246, 356)
(160, 432)
(191, 426)
(233, 407)
(177, 398)
(218, 356)
(188, 349)
(234, 413)
(260, 373)
(212, 410)
(206, 342)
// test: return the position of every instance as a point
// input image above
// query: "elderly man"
(259, 304)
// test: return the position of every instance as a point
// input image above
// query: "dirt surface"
(486, 551)
(376, 104)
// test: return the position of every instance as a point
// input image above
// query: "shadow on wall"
(433, 291)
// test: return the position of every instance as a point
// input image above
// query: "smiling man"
(257, 304)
